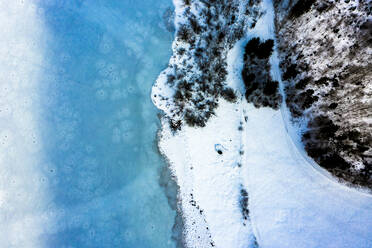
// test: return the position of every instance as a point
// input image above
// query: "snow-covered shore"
(210, 182)
(206, 162)
(291, 202)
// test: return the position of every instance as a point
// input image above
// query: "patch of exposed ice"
(23, 185)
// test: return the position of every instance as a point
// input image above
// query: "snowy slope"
(291, 203)
(294, 202)
(325, 54)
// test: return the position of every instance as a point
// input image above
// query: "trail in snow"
(294, 202)
(291, 204)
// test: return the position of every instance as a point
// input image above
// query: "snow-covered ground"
(292, 202)
(210, 182)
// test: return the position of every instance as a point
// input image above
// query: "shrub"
(193, 119)
(187, 2)
(271, 88)
(243, 203)
(248, 77)
(334, 161)
(300, 8)
(170, 79)
(251, 47)
(291, 72)
(266, 49)
(184, 33)
(228, 94)
(307, 98)
(175, 125)
(184, 86)
(251, 89)
(195, 25)
(181, 51)
(302, 83)
(256, 48)
(178, 96)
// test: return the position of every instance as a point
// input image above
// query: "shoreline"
(203, 221)
(168, 182)
(233, 151)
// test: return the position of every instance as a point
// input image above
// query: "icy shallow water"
(81, 124)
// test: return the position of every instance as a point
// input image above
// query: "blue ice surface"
(99, 124)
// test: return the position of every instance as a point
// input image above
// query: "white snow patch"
(213, 179)
(291, 203)
(234, 67)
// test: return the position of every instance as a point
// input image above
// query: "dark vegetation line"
(261, 90)
(244, 209)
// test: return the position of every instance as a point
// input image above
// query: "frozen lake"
(79, 162)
